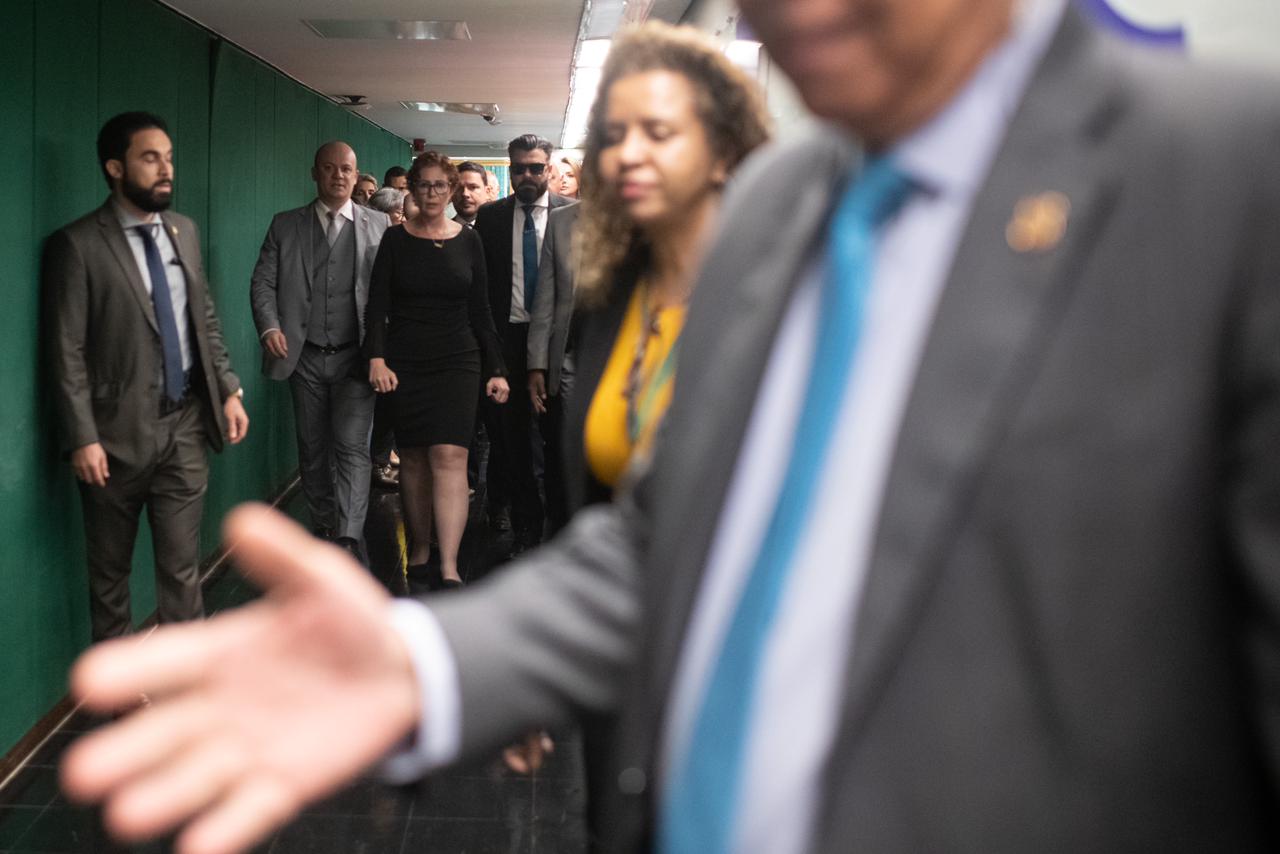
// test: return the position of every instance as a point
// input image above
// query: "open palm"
(253, 713)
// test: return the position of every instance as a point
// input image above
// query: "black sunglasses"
(533, 168)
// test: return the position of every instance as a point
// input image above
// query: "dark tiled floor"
(476, 809)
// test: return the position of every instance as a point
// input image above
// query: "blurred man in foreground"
(1017, 593)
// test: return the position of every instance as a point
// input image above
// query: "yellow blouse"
(615, 429)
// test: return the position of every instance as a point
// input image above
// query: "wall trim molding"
(212, 569)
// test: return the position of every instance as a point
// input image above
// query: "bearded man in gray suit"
(309, 290)
(143, 382)
(1035, 602)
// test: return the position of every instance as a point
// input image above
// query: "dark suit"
(1067, 639)
(104, 346)
(510, 472)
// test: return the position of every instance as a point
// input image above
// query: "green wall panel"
(25, 598)
(244, 136)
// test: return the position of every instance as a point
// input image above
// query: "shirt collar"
(952, 152)
(542, 201)
(347, 211)
(129, 220)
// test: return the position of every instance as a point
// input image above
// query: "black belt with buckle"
(333, 350)
(168, 407)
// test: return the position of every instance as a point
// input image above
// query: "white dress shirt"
(540, 211)
(172, 272)
(801, 683)
(347, 212)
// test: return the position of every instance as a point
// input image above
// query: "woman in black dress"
(430, 340)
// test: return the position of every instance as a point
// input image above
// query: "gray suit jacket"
(280, 289)
(104, 344)
(1069, 634)
(553, 301)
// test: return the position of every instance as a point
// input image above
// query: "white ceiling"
(519, 57)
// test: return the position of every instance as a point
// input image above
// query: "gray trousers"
(172, 487)
(333, 414)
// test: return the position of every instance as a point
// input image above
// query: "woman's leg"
(449, 476)
(415, 501)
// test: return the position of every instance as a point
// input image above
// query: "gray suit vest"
(333, 288)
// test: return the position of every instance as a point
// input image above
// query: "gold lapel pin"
(173, 229)
(1038, 222)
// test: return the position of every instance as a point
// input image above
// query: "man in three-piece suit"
(1031, 603)
(309, 290)
(550, 356)
(512, 230)
(142, 380)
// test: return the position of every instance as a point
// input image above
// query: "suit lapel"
(194, 295)
(994, 318)
(508, 220)
(306, 243)
(113, 236)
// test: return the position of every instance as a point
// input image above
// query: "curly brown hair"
(428, 159)
(728, 102)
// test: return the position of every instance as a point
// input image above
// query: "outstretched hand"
(253, 713)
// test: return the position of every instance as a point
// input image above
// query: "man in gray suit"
(142, 379)
(1035, 605)
(550, 359)
(309, 291)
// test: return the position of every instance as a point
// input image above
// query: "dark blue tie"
(700, 808)
(174, 382)
(530, 254)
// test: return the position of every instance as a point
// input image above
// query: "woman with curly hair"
(672, 120)
(430, 339)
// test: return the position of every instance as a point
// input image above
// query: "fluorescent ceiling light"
(592, 53)
(327, 28)
(743, 53)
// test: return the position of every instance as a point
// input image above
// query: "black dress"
(428, 316)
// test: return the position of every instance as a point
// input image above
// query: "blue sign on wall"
(1105, 13)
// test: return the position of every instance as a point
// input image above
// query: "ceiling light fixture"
(600, 20)
(488, 112)
(330, 28)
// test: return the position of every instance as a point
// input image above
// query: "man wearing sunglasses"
(512, 230)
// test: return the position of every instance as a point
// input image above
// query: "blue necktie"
(700, 807)
(174, 382)
(530, 254)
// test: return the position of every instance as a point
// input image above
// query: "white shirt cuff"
(438, 739)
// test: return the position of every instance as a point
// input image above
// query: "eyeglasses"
(531, 168)
(436, 188)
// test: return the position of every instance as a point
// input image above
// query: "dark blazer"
(104, 344)
(1068, 638)
(597, 332)
(494, 223)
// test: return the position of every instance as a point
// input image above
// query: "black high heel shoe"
(425, 575)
